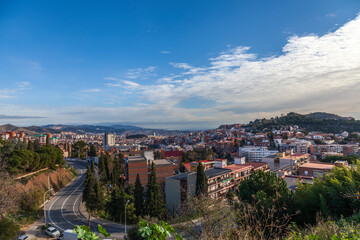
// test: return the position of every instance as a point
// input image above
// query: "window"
(306, 173)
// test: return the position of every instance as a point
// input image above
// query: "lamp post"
(125, 214)
(44, 204)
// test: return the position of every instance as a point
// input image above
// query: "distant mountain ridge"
(93, 128)
(32, 130)
(57, 128)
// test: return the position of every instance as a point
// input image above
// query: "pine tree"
(154, 203)
(138, 197)
(201, 181)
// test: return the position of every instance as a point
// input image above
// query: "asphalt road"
(63, 211)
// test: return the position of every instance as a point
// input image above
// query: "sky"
(177, 64)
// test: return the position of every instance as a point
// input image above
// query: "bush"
(8, 229)
(31, 201)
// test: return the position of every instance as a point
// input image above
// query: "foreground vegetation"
(263, 208)
(20, 199)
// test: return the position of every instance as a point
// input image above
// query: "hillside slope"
(323, 122)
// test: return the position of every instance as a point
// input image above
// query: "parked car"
(23, 237)
(52, 232)
(68, 235)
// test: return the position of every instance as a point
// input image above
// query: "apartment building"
(295, 146)
(139, 164)
(220, 180)
(255, 154)
(321, 151)
(109, 139)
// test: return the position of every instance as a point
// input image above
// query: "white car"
(52, 232)
(23, 237)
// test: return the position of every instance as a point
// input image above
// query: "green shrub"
(8, 229)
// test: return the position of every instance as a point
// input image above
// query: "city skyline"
(176, 65)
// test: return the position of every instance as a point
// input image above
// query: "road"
(63, 211)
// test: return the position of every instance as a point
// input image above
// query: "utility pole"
(125, 214)
(44, 205)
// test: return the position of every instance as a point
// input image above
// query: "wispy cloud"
(34, 66)
(332, 14)
(23, 85)
(7, 93)
(91, 90)
(14, 92)
(165, 52)
(141, 73)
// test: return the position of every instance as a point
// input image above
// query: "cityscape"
(179, 120)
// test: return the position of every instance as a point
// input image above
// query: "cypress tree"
(92, 151)
(92, 167)
(30, 146)
(201, 181)
(89, 191)
(138, 197)
(116, 206)
(102, 163)
(92, 194)
(154, 203)
(107, 170)
(99, 197)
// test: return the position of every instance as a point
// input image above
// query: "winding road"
(65, 210)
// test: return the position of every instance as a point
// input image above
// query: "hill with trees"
(324, 122)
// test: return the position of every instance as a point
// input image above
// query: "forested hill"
(324, 122)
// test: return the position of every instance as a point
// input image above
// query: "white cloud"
(124, 84)
(181, 65)
(313, 73)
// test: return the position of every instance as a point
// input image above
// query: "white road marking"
(58, 197)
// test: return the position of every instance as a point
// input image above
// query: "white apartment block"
(255, 154)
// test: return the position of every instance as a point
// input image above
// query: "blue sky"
(176, 64)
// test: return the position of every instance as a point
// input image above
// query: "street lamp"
(44, 204)
(125, 214)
